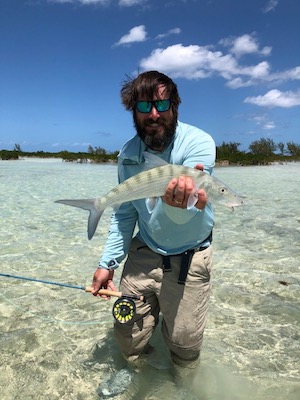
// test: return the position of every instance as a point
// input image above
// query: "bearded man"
(169, 259)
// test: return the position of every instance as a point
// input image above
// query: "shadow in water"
(158, 379)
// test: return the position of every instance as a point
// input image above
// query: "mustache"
(159, 121)
(153, 120)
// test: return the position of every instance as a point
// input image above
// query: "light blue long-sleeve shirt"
(168, 230)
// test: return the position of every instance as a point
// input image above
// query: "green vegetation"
(261, 152)
(97, 155)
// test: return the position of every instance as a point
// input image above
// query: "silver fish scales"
(151, 184)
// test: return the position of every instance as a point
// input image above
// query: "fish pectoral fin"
(152, 161)
(150, 204)
(89, 205)
(192, 200)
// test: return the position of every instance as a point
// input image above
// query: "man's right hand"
(103, 279)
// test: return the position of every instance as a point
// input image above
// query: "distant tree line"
(96, 155)
(261, 152)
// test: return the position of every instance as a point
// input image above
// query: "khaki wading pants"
(184, 307)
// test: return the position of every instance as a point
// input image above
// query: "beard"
(159, 138)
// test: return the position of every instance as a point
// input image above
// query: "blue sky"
(236, 64)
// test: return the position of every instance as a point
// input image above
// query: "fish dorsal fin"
(152, 161)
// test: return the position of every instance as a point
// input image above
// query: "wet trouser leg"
(184, 307)
(142, 274)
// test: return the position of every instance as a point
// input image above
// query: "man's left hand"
(179, 190)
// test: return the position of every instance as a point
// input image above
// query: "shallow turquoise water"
(56, 342)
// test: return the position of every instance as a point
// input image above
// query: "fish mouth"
(233, 205)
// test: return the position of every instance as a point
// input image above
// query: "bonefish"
(151, 184)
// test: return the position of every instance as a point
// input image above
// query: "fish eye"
(223, 190)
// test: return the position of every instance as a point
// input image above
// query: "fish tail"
(89, 205)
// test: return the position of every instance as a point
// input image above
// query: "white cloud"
(245, 44)
(94, 1)
(261, 73)
(196, 62)
(263, 122)
(269, 125)
(84, 144)
(261, 70)
(270, 6)
(191, 62)
(237, 83)
(136, 34)
(83, 2)
(174, 31)
(276, 98)
(129, 3)
(122, 3)
(290, 74)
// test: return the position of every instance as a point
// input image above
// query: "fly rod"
(123, 309)
(106, 292)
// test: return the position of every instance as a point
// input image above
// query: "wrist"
(110, 265)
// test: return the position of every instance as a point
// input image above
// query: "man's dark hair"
(145, 87)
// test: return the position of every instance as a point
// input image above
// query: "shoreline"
(33, 159)
(218, 164)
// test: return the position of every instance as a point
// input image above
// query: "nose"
(154, 114)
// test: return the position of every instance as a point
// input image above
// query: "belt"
(186, 259)
(200, 248)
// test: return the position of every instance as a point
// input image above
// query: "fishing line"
(123, 309)
(53, 320)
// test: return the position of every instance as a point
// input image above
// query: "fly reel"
(123, 310)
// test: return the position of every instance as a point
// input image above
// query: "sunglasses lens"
(162, 105)
(146, 106)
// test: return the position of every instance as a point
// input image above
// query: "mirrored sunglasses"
(146, 106)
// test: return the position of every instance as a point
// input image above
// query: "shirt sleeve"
(119, 238)
(123, 222)
(201, 150)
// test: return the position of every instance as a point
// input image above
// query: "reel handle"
(114, 293)
(105, 292)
